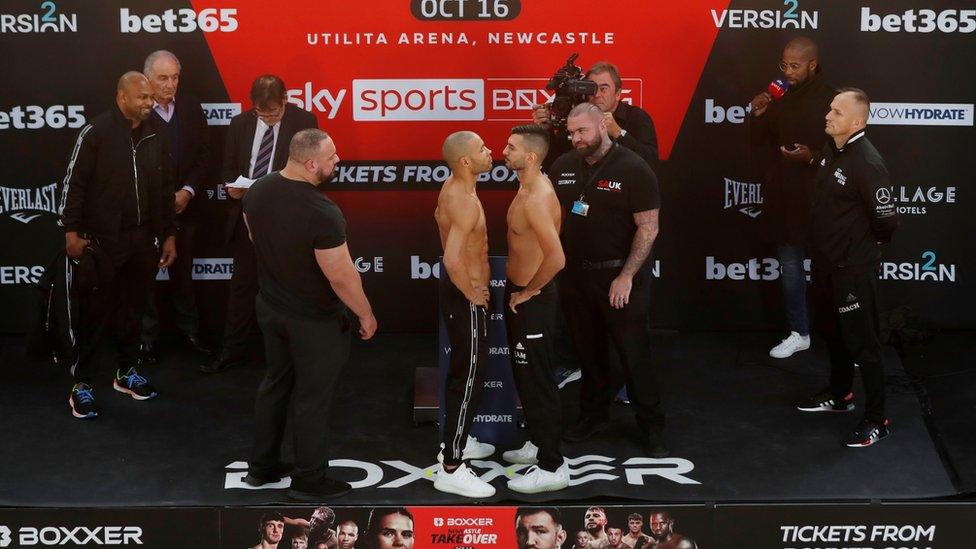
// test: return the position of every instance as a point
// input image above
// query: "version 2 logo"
(49, 20)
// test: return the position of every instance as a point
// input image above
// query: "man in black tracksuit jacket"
(852, 214)
(118, 195)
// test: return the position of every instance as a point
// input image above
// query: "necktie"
(263, 163)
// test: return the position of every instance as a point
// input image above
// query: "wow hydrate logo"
(921, 114)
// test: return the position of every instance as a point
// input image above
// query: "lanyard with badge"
(580, 207)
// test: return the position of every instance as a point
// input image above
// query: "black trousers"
(116, 307)
(304, 359)
(845, 314)
(241, 324)
(467, 330)
(181, 289)
(593, 326)
(531, 348)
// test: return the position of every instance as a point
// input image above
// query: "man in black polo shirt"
(611, 202)
(852, 214)
(299, 235)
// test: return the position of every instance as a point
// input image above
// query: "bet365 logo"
(4, 536)
(179, 20)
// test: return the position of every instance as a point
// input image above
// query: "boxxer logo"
(74, 536)
(387, 474)
(179, 20)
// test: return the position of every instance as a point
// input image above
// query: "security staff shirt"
(615, 188)
(288, 221)
(853, 208)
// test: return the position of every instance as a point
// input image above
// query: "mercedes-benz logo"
(883, 195)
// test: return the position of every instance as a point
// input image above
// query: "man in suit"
(257, 144)
(186, 127)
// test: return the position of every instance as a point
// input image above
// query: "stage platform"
(733, 433)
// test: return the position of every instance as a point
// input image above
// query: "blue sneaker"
(564, 377)
(82, 402)
(134, 385)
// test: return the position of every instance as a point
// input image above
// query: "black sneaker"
(320, 491)
(867, 433)
(82, 402)
(584, 429)
(826, 402)
(134, 385)
(270, 476)
(655, 445)
(147, 353)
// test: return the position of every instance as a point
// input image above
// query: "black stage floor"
(733, 433)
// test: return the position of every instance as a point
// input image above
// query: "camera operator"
(627, 125)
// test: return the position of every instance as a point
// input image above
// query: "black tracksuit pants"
(117, 305)
(467, 330)
(845, 313)
(593, 326)
(304, 359)
(530, 346)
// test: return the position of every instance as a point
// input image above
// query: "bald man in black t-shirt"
(307, 280)
(610, 205)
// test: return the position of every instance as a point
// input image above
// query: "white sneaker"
(463, 482)
(472, 450)
(527, 454)
(537, 480)
(792, 344)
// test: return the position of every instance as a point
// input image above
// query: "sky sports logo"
(921, 114)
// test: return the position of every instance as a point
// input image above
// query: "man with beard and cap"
(307, 280)
(118, 197)
(790, 130)
(611, 206)
(663, 534)
(463, 301)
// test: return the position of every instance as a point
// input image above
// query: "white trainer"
(527, 454)
(472, 450)
(792, 344)
(537, 480)
(463, 482)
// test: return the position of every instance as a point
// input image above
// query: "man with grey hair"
(611, 203)
(307, 281)
(185, 126)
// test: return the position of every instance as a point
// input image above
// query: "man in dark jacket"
(118, 195)
(791, 129)
(257, 144)
(852, 214)
(185, 125)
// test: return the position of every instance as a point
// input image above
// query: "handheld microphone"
(777, 88)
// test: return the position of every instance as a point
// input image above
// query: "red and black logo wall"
(389, 82)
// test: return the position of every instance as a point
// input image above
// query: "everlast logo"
(26, 205)
(745, 197)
